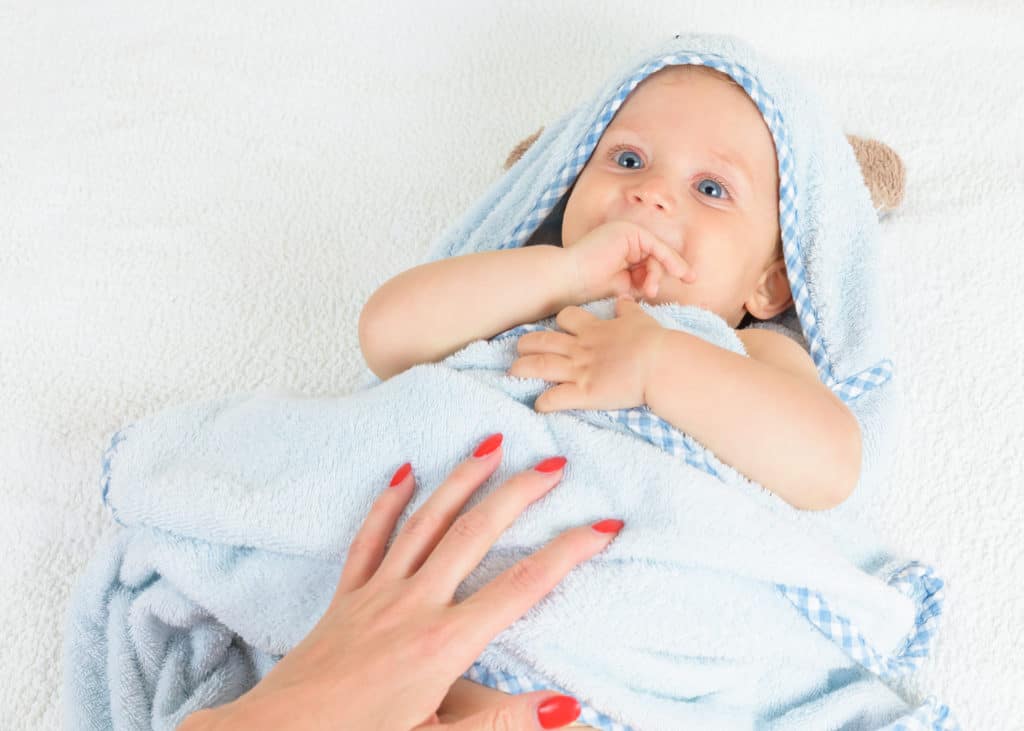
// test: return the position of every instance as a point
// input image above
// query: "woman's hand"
(392, 641)
(605, 258)
(597, 364)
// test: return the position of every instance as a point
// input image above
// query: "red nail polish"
(551, 464)
(558, 711)
(608, 526)
(488, 445)
(400, 475)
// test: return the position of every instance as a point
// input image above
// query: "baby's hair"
(675, 71)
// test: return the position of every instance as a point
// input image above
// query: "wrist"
(656, 347)
(569, 287)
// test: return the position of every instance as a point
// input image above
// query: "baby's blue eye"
(706, 182)
(619, 157)
(619, 151)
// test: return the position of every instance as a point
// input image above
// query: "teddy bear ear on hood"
(883, 170)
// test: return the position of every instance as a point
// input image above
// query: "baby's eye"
(620, 152)
(712, 183)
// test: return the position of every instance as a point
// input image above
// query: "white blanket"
(192, 207)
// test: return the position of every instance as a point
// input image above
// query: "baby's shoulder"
(775, 348)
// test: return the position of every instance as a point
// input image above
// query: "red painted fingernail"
(608, 526)
(488, 445)
(558, 711)
(551, 464)
(400, 475)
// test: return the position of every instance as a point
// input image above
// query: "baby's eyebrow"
(735, 165)
(732, 162)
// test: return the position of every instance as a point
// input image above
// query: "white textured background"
(196, 201)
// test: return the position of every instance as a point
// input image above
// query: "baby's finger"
(673, 262)
(676, 264)
(654, 272)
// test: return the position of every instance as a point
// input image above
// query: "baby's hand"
(604, 260)
(595, 364)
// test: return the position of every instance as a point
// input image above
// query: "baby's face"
(690, 158)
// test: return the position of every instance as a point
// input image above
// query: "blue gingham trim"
(913, 579)
(648, 426)
(867, 380)
(849, 389)
(516, 684)
(930, 716)
(116, 439)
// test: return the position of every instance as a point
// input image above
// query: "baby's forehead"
(748, 144)
(655, 96)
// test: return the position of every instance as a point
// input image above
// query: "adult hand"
(392, 642)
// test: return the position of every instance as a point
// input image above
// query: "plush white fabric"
(197, 201)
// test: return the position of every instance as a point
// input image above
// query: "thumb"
(527, 711)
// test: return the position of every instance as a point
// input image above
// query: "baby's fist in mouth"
(637, 276)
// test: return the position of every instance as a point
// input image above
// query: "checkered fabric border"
(849, 389)
(648, 426)
(516, 684)
(867, 380)
(930, 716)
(915, 580)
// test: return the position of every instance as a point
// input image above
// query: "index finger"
(671, 259)
(674, 262)
(510, 595)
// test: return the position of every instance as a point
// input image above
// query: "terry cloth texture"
(721, 608)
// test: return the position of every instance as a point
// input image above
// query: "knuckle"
(420, 523)
(528, 574)
(471, 525)
(434, 640)
(361, 546)
(503, 719)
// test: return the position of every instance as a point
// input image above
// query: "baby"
(679, 203)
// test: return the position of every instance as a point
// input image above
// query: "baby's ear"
(521, 148)
(883, 172)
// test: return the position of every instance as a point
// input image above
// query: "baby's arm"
(766, 415)
(427, 313)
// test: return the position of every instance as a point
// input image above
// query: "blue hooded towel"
(721, 607)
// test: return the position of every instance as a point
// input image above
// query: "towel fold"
(237, 514)
(719, 607)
